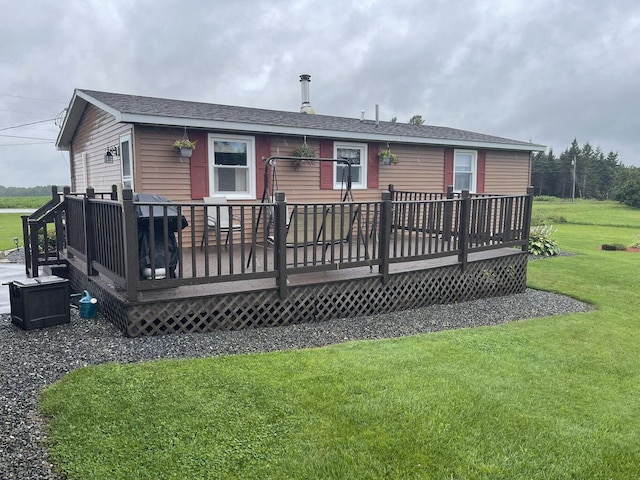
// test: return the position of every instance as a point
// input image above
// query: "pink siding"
(96, 131)
(507, 172)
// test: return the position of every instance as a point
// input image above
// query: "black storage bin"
(39, 302)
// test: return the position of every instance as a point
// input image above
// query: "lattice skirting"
(359, 296)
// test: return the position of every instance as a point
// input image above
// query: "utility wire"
(31, 98)
(27, 138)
(27, 124)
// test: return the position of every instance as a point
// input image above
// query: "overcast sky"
(538, 70)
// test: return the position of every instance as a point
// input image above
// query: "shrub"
(635, 242)
(541, 243)
(545, 198)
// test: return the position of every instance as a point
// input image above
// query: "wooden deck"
(328, 261)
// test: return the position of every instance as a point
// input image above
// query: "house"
(297, 242)
(139, 133)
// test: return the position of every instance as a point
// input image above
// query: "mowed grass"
(546, 398)
(11, 223)
(10, 228)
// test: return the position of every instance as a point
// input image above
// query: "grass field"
(547, 398)
(11, 223)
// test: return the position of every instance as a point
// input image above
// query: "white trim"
(474, 169)
(364, 153)
(251, 165)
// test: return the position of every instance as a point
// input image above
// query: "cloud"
(538, 70)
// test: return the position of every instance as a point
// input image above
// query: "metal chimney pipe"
(306, 104)
(377, 115)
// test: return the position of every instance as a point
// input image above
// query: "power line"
(27, 124)
(27, 138)
(32, 98)
(23, 144)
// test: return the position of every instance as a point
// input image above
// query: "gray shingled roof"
(196, 111)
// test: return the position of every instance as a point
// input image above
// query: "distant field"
(585, 212)
(23, 202)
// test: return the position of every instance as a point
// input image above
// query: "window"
(232, 166)
(356, 153)
(126, 156)
(464, 170)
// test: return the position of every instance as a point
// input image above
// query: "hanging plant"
(387, 157)
(185, 146)
(306, 153)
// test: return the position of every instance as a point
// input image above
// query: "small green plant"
(545, 198)
(387, 157)
(307, 152)
(541, 243)
(635, 242)
(184, 143)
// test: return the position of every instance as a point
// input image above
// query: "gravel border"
(31, 360)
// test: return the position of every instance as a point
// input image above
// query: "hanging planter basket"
(306, 154)
(186, 152)
(387, 157)
(185, 147)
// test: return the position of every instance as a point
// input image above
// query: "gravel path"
(31, 360)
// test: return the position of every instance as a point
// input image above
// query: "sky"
(536, 70)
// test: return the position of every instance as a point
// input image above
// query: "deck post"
(392, 191)
(59, 226)
(89, 233)
(463, 234)
(528, 208)
(448, 216)
(130, 228)
(280, 250)
(114, 192)
(385, 235)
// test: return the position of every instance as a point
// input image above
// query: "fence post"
(114, 192)
(130, 229)
(280, 250)
(89, 230)
(463, 234)
(448, 216)
(528, 208)
(59, 226)
(385, 235)
(392, 191)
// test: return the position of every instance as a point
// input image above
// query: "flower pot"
(186, 152)
(387, 160)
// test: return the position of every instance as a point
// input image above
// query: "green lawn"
(10, 227)
(11, 223)
(548, 398)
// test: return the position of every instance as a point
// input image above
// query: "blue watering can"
(88, 305)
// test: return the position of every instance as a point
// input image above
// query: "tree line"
(39, 191)
(585, 172)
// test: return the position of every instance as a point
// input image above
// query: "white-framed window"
(232, 166)
(465, 164)
(126, 159)
(356, 153)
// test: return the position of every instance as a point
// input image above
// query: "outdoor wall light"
(111, 152)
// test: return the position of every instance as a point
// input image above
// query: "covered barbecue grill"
(164, 250)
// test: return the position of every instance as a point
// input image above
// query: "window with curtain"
(232, 166)
(356, 154)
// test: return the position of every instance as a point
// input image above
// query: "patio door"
(126, 159)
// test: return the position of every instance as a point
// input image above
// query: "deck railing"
(280, 239)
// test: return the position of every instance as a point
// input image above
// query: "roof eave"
(75, 110)
(323, 133)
